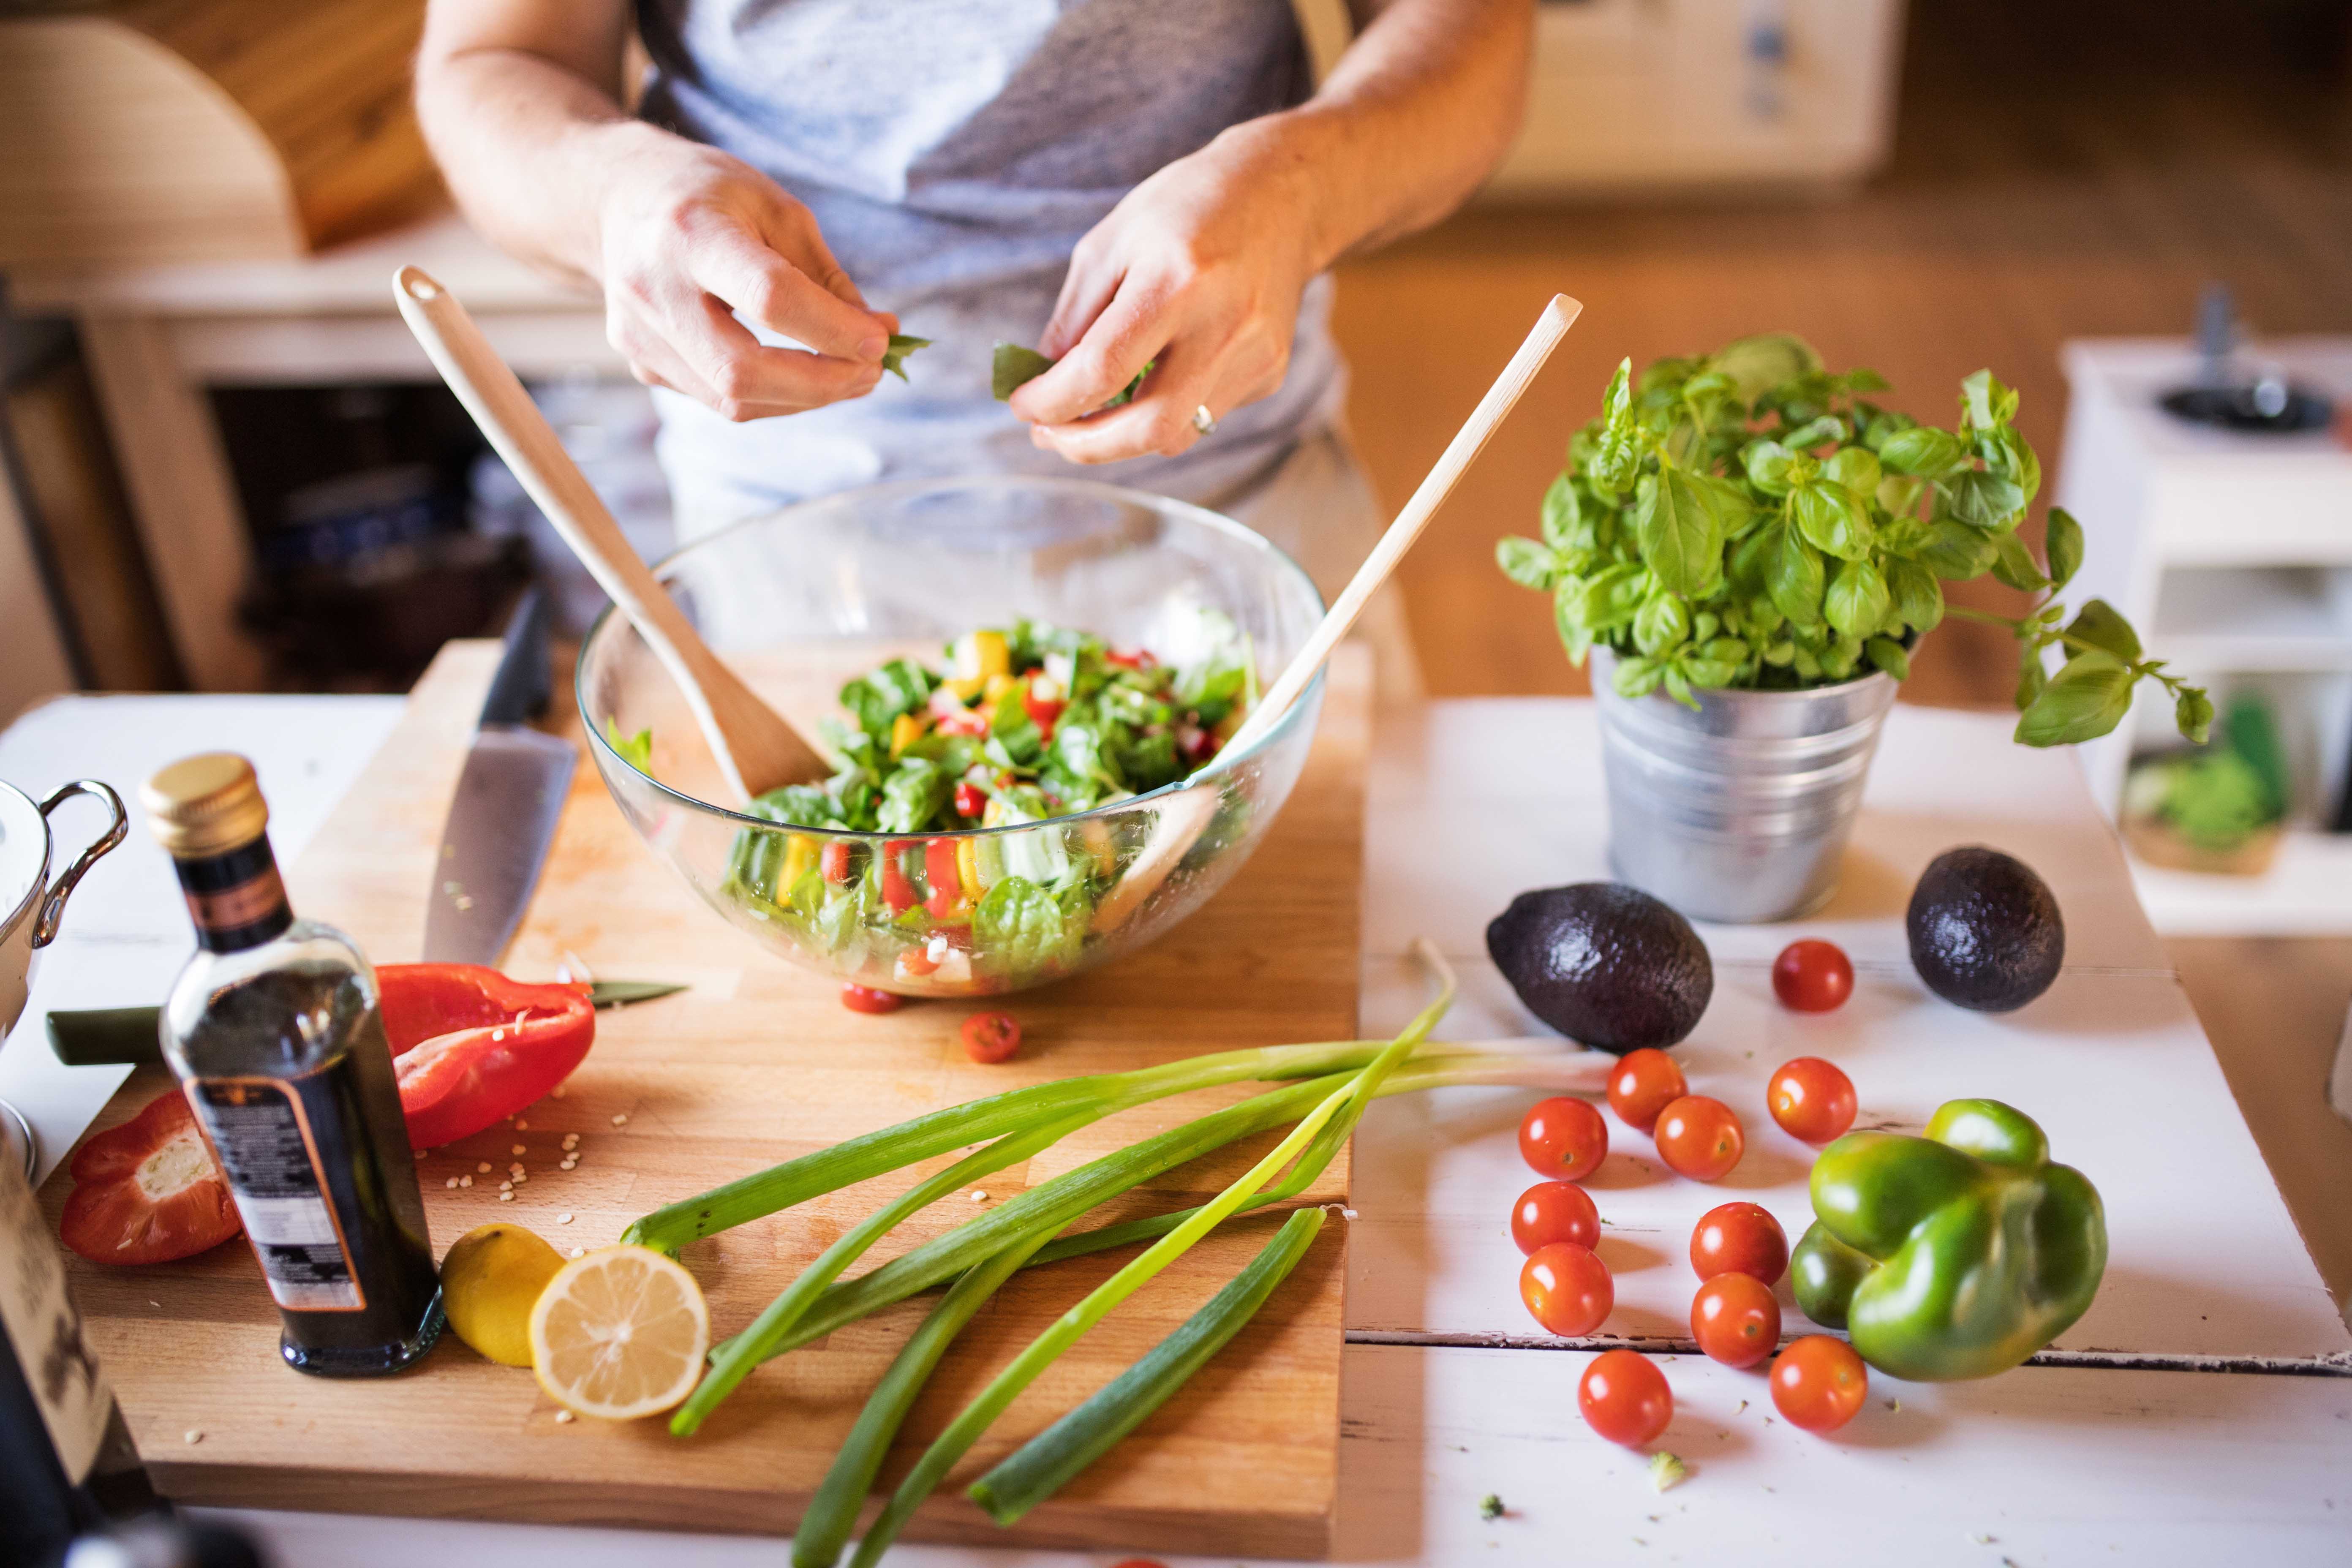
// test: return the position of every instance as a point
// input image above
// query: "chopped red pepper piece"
(897, 891)
(147, 1192)
(835, 860)
(1043, 713)
(939, 870)
(969, 799)
(471, 1047)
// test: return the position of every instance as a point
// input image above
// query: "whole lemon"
(489, 1280)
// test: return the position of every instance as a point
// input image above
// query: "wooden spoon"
(757, 748)
(1186, 815)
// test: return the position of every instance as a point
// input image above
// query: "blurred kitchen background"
(228, 467)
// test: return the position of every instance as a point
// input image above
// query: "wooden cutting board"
(758, 1063)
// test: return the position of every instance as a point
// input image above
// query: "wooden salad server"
(1186, 815)
(757, 749)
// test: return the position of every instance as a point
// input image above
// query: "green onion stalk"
(1346, 1100)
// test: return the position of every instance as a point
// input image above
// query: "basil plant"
(1746, 519)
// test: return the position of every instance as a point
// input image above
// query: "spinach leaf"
(881, 695)
(1020, 929)
(912, 795)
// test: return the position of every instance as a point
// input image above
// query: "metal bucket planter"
(1739, 811)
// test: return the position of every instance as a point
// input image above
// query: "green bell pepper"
(1954, 1255)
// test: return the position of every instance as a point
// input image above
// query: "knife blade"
(510, 797)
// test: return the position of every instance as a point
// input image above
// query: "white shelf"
(2307, 891)
(2281, 618)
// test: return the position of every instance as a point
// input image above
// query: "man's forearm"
(520, 139)
(1417, 112)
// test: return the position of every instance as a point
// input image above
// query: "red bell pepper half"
(147, 1192)
(472, 1047)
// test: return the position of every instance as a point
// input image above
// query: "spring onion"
(1047, 1462)
(832, 1513)
(780, 1187)
(1348, 1097)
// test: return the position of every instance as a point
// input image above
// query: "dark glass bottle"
(66, 1461)
(274, 1029)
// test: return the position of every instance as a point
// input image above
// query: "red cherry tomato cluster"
(1738, 1250)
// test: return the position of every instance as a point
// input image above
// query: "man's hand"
(520, 101)
(691, 237)
(1199, 271)
(1196, 272)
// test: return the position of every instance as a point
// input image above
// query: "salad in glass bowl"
(1027, 686)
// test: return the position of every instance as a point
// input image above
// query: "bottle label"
(45, 1330)
(231, 909)
(271, 1162)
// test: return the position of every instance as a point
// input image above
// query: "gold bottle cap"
(205, 804)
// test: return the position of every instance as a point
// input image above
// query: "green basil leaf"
(2193, 711)
(2014, 564)
(1813, 432)
(894, 355)
(1663, 624)
(1856, 469)
(1526, 563)
(1617, 453)
(1011, 367)
(1638, 677)
(2030, 678)
(1678, 687)
(1918, 597)
(1767, 465)
(1884, 426)
(1736, 511)
(2099, 625)
(1571, 617)
(1679, 535)
(1780, 655)
(1898, 494)
(1956, 551)
(2063, 543)
(1832, 520)
(1923, 450)
(1563, 516)
(2085, 700)
(1889, 656)
(1982, 499)
(1758, 365)
(1856, 601)
(1795, 579)
(1985, 402)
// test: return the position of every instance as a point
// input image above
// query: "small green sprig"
(1749, 520)
(894, 355)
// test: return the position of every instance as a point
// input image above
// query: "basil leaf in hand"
(1011, 367)
(894, 356)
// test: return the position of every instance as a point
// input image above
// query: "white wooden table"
(2202, 1410)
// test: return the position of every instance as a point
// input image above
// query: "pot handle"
(53, 904)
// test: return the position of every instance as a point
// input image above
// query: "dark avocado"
(1985, 930)
(1604, 963)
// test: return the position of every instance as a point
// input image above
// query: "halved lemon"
(619, 1333)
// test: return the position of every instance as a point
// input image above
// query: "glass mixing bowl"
(801, 600)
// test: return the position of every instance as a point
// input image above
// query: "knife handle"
(107, 1036)
(524, 682)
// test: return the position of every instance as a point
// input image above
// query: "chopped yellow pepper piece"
(996, 687)
(800, 859)
(968, 867)
(905, 731)
(966, 689)
(981, 654)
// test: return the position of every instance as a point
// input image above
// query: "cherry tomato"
(1811, 1100)
(1567, 1288)
(991, 1037)
(1735, 1319)
(1739, 1239)
(1643, 1083)
(1563, 1138)
(1625, 1398)
(1812, 976)
(1819, 1383)
(1554, 1211)
(834, 860)
(969, 800)
(1700, 1138)
(866, 999)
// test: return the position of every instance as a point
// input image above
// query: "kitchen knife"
(508, 799)
(117, 1036)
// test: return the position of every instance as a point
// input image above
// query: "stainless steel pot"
(1739, 810)
(31, 905)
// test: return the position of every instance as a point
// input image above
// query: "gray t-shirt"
(953, 151)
